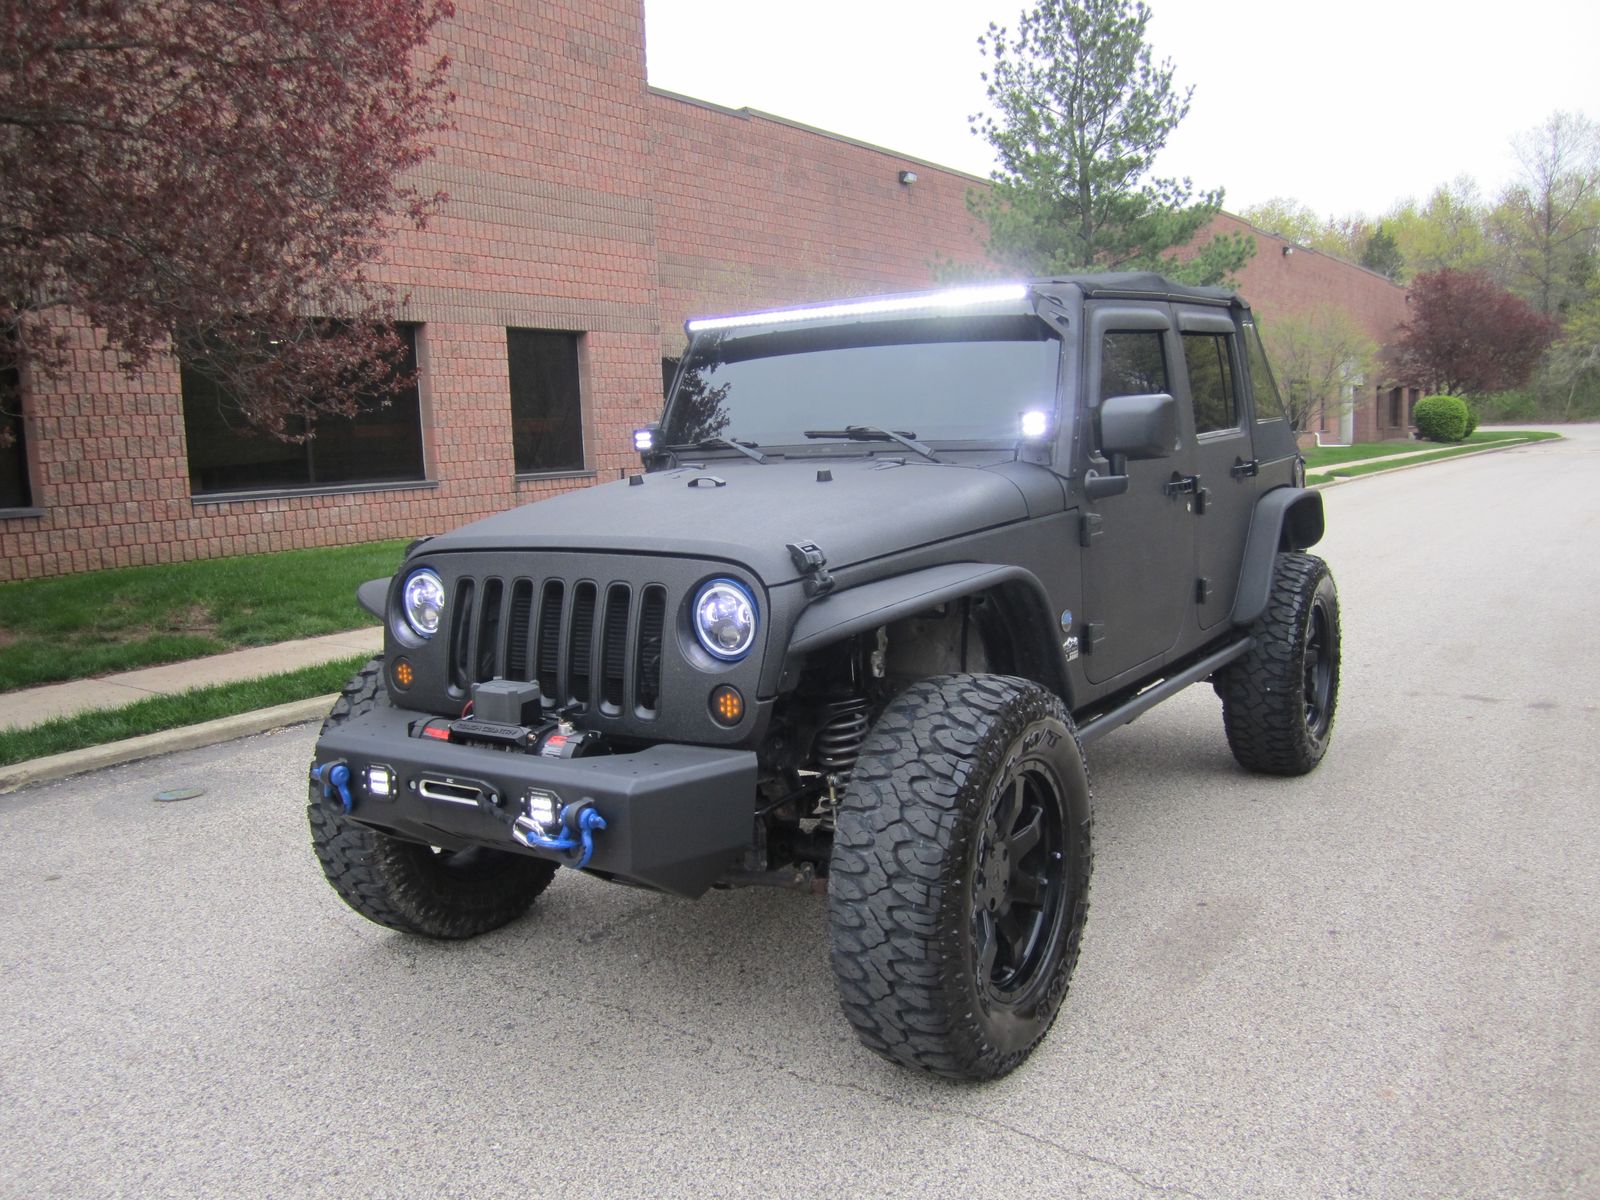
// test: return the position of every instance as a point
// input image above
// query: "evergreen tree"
(1080, 115)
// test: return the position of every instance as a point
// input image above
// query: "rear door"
(1225, 471)
(1139, 546)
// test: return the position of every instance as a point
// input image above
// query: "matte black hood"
(869, 508)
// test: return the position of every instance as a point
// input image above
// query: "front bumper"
(677, 818)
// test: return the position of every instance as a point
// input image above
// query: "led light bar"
(968, 297)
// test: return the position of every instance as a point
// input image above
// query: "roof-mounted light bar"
(954, 298)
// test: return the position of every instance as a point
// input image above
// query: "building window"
(14, 489)
(546, 413)
(381, 444)
(1210, 360)
(1394, 406)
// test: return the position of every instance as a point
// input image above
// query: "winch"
(509, 715)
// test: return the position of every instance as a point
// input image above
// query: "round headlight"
(422, 601)
(725, 619)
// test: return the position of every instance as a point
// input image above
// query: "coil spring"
(838, 742)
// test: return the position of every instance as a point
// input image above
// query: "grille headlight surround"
(725, 619)
(422, 602)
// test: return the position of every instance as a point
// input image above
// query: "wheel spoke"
(1026, 837)
(1027, 888)
(1009, 809)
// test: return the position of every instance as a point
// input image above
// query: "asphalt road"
(1382, 980)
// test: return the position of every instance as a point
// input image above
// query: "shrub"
(1441, 418)
(1472, 419)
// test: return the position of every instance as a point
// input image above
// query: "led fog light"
(380, 782)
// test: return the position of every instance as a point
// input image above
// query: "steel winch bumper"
(676, 818)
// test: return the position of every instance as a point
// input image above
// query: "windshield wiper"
(748, 449)
(872, 433)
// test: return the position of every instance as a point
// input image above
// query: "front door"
(1139, 546)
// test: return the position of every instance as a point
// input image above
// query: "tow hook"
(573, 830)
(334, 777)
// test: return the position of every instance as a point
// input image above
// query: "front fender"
(855, 610)
(1286, 518)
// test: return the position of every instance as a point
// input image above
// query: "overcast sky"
(1346, 107)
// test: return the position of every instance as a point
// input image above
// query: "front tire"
(1279, 700)
(958, 886)
(407, 885)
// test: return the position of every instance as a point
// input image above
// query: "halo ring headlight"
(725, 619)
(422, 602)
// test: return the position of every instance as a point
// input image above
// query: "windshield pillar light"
(644, 440)
(1036, 424)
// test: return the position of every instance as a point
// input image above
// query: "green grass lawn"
(1476, 442)
(76, 626)
(170, 712)
(1326, 456)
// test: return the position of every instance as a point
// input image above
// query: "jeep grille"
(594, 646)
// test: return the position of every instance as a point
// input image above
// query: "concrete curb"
(1437, 462)
(189, 737)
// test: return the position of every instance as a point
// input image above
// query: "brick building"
(589, 216)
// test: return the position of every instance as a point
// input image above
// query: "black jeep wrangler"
(889, 566)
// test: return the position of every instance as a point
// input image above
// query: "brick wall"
(753, 211)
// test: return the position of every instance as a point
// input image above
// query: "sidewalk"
(33, 705)
(23, 708)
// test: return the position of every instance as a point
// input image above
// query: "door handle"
(1243, 469)
(1180, 485)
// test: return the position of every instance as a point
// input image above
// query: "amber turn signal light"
(404, 674)
(727, 705)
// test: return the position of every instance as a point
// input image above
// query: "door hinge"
(1180, 485)
(1201, 497)
(1244, 468)
(1089, 528)
(1202, 590)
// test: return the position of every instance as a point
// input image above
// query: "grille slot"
(652, 622)
(519, 633)
(580, 645)
(614, 648)
(595, 646)
(550, 607)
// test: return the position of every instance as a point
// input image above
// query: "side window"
(1210, 360)
(1132, 363)
(1269, 405)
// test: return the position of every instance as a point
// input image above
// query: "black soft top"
(1138, 285)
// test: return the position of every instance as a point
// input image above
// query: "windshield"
(939, 380)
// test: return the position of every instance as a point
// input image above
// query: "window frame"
(273, 490)
(580, 371)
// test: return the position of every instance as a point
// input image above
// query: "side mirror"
(1136, 427)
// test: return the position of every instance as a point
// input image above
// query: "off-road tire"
(947, 776)
(407, 885)
(1279, 700)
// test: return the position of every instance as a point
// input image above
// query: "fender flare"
(373, 595)
(855, 610)
(1286, 518)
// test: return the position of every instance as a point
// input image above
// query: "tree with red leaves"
(1467, 335)
(216, 179)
